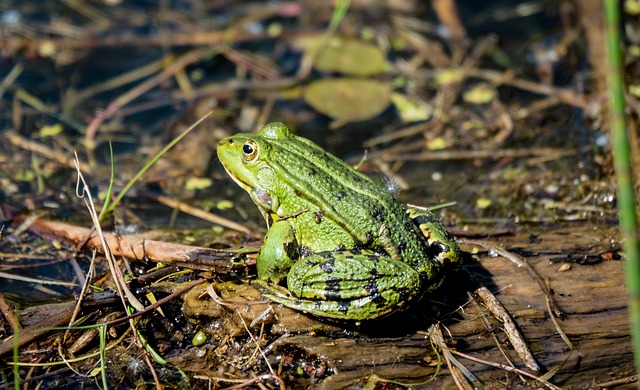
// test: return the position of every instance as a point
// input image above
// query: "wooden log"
(577, 263)
(590, 292)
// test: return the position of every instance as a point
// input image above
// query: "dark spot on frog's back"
(291, 249)
(372, 285)
(332, 289)
(343, 306)
(379, 301)
(357, 247)
(318, 215)
(403, 294)
(340, 195)
(358, 179)
(304, 251)
(328, 266)
(369, 237)
(326, 255)
(297, 192)
(402, 246)
(377, 213)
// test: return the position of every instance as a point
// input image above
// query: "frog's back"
(348, 197)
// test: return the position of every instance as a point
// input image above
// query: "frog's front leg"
(278, 253)
(348, 286)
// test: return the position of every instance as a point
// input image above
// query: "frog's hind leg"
(349, 286)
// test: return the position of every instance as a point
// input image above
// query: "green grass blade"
(103, 356)
(16, 359)
(623, 168)
(107, 199)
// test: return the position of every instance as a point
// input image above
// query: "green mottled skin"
(344, 245)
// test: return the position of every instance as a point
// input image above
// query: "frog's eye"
(250, 151)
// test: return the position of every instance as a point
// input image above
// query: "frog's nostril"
(230, 142)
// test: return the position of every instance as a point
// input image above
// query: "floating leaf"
(437, 143)
(346, 99)
(346, 55)
(47, 49)
(632, 7)
(225, 204)
(48, 131)
(449, 76)
(634, 89)
(483, 203)
(198, 183)
(411, 109)
(480, 94)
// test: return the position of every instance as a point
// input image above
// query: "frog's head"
(246, 156)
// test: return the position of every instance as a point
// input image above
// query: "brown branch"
(139, 248)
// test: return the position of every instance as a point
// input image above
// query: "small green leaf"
(225, 204)
(449, 76)
(480, 94)
(411, 109)
(483, 203)
(437, 143)
(48, 131)
(198, 183)
(199, 339)
(632, 7)
(634, 89)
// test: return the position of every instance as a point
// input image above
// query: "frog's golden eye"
(250, 151)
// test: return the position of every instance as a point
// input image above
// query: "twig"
(158, 303)
(552, 307)
(21, 278)
(61, 158)
(399, 153)
(136, 248)
(461, 376)
(490, 328)
(9, 314)
(511, 330)
(618, 382)
(506, 368)
(11, 77)
(520, 262)
(85, 288)
(196, 212)
(83, 192)
(565, 95)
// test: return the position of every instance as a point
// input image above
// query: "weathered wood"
(592, 296)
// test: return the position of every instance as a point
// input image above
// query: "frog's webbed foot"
(271, 290)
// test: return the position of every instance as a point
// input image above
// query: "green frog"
(345, 247)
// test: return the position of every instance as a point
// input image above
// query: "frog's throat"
(265, 204)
